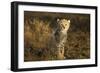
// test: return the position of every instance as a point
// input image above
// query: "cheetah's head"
(63, 24)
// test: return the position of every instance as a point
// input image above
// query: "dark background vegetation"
(38, 27)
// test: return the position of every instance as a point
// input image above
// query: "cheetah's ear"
(58, 20)
(68, 21)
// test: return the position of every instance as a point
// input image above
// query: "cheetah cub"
(61, 36)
